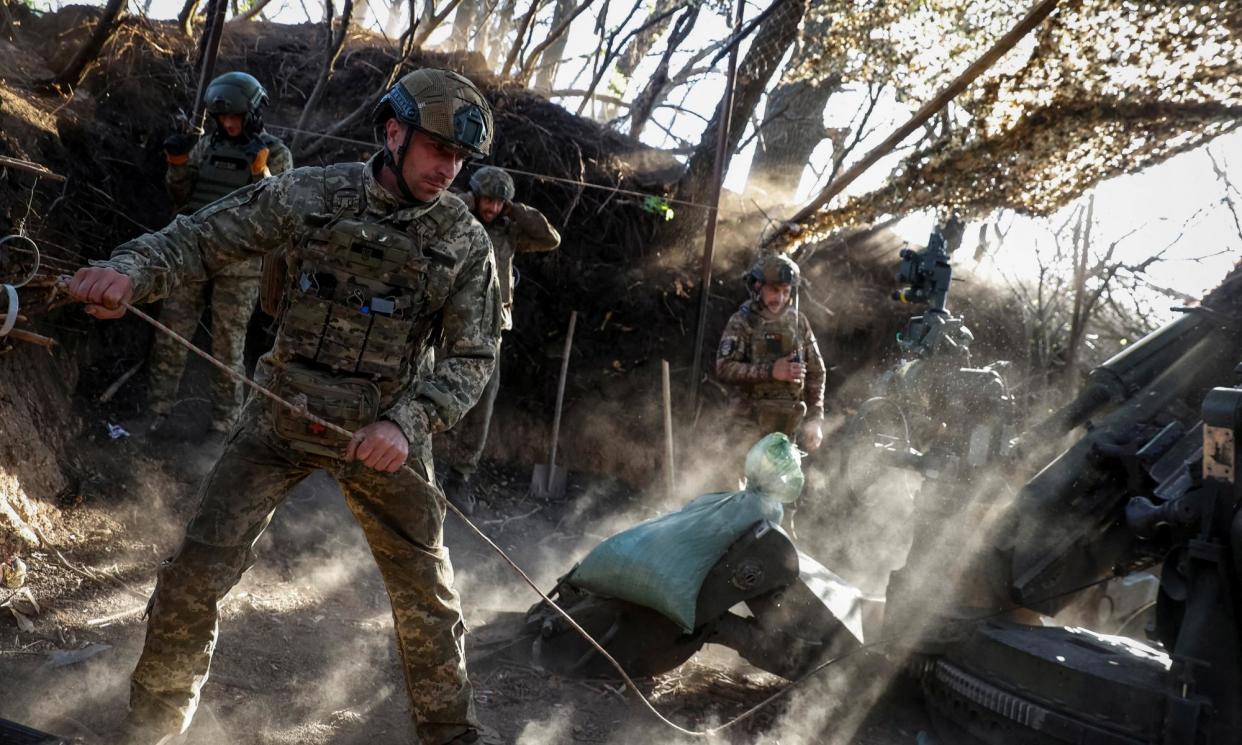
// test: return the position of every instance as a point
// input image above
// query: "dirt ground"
(306, 653)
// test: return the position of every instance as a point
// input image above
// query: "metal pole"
(709, 239)
(207, 65)
(670, 475)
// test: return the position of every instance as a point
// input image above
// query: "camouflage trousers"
(752, 420)
(403, 522)
(469, 437)
(232, 296)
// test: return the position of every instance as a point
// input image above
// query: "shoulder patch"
(727, 346)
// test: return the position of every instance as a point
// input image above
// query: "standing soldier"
(768, 352)
(514, 228)
(237, 153)
(380, 261)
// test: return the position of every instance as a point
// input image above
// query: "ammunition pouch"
(347, 402)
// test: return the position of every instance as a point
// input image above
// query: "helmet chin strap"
(394, 163)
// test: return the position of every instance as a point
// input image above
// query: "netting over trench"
(1109, 87)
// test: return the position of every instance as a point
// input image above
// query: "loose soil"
(306, 653)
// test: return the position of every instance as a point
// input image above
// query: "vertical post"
(709, 238)
(560, 397)
(207, 65)
(670, 474)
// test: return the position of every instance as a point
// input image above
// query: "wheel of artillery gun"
(1025, 685)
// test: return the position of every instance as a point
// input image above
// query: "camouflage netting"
(1100, 89)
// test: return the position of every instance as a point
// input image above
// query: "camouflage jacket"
(739, 364)
(180, 180)
(280, 212)
(524, 230)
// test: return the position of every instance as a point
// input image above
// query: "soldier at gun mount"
(236, 153)
(514, 228)
(768, 353)
(380, 263)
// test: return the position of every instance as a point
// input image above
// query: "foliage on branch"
(1101, 89)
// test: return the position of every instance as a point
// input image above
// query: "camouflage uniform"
(523, 230)
(231, 294)
(458, 295)
(752, 342)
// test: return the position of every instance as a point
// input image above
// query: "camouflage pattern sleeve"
(470, 348)
(733, 364)
(179, 178)
(245, 224)
(531, 231)
(813, 392)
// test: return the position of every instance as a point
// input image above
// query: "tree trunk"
(396, 16)
(73, 73)
(633, 55)
(463, 24)
(185, 19)
(545, 78)
(772, 39)
(792, 127)
(500, 32)
(333, 44)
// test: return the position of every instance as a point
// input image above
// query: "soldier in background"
(352, 346)
(514, 228)
(768, 353)
(236, 153)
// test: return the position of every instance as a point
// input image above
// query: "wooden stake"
(670, 474)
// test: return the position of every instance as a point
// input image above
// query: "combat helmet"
(237, 93)
(490, 181)
(773, 269)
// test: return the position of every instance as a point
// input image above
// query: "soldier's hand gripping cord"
(380, 445)
(104, 291)
(788, 369)
(258, 153)
(177, 148)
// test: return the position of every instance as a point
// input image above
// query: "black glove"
(179, 144)
(257, 152)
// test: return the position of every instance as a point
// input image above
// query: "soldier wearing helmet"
(768, 353)
(514, 228)
(377, 262)
(235, 153)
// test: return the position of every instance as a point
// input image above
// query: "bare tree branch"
(528, 66)
(334, 42)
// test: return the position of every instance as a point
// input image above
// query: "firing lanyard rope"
(629, 682)
(520, 172)
(301, 411)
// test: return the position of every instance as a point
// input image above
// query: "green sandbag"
(660, 564)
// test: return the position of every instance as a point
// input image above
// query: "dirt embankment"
(635, 307)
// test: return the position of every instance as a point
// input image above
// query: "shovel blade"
(541, 487)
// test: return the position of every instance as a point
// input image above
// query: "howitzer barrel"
(1070, 531)
(1128, 371)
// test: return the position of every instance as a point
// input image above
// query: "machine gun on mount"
(915, 416)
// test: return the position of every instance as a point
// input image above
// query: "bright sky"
(1179, 197)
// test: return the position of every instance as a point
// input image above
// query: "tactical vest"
(357, 301)
(224, 170)
(770, 340)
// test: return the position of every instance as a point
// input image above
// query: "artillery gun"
(1149, 480)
